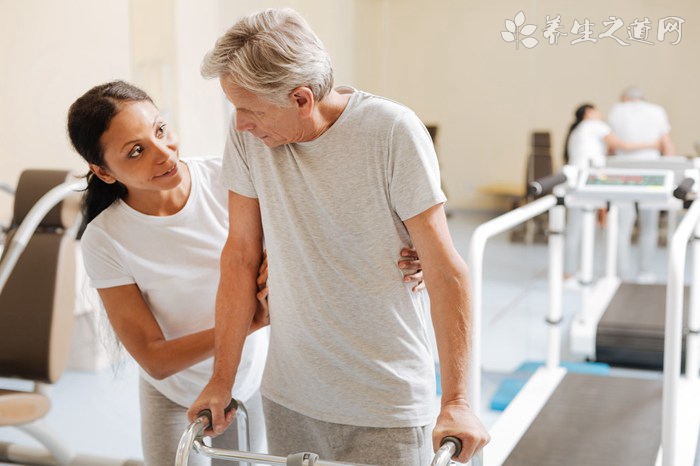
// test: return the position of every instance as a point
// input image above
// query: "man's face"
(268, 122)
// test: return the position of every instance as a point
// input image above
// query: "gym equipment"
(581, 419)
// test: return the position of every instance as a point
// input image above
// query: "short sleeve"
(101, 258)
(602, 129)
(235, 170)
(414, 181)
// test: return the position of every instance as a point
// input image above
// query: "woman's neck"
(162, 203)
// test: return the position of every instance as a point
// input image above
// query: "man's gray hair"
(633, 93)
(270, 53)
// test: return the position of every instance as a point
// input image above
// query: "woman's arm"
(615, 143)
(139, 332)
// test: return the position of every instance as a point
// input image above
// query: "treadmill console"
(625, 184)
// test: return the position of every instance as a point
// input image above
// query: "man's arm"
(236, 303)
(667, 147)
(447, 281)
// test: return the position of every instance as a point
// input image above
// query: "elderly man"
(638, 121)
(329, 174)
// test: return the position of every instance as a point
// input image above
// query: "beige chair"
(37, 301)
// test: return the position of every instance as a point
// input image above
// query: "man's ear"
(304, 100)
(102, 173)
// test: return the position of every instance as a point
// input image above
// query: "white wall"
(50, 53)
(446, 59)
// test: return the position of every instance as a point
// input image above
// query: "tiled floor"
(97, 413)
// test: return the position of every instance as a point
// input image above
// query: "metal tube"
(692, 343)
(587, 245)
(32, 220)
(613, 227)
(557, 221)
(674, 332)
(476, 258)
(254, 457)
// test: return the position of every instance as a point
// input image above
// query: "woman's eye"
(161, 130)
(136, 151)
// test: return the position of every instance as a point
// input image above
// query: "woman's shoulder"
(206, 176)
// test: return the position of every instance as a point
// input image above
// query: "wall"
(443, 58)
(50, 53)
(447, 60)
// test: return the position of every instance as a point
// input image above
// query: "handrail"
(30, 223)
(673, 336)
(477, 246)
(5, 187)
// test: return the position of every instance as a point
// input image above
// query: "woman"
(588, 142)
(155, 228)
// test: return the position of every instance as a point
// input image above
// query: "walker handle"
(233, 405)
(457, 442)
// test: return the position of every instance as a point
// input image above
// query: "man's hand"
(216, 396)
(457, 419)
(411, 267)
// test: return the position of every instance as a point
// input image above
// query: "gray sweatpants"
(163, 422)
(291, 432)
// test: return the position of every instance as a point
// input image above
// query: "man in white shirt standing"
(636, 120)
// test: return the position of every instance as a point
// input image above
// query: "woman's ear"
(102, 173)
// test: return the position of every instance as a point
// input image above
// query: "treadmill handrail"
(477, 247)
(673, 335)
(30, 223)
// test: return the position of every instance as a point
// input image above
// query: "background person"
(588, 142)
(328, 172)
(636, 120)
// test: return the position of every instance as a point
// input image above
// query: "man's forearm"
(451, 316)
(236, 303)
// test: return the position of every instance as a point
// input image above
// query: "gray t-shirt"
(349, 341)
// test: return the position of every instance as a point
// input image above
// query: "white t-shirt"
(586, 145)
(639, 121)
(174, 260)
(348, 339)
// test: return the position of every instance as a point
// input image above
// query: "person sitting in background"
(588, 142)
(156, 225)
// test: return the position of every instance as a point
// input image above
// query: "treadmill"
(561, 418)
(622, 324)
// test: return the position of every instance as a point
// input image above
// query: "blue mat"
(512, 385)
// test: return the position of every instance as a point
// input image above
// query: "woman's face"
(140, 151)
(592, 113)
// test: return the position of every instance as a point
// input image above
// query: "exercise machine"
(581, 419)
(622, 323)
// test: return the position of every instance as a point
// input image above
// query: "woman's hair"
(270, 53)
(579, 114)
(88, 119)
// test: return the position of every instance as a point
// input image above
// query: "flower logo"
(514, 32)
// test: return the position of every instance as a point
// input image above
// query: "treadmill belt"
(631, 331)
(595, 420)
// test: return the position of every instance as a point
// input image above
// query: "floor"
(97, 412)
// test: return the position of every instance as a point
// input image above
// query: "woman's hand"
(410, 265)
(262, 314)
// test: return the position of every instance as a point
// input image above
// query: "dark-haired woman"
(588, 142)
(156, 227)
